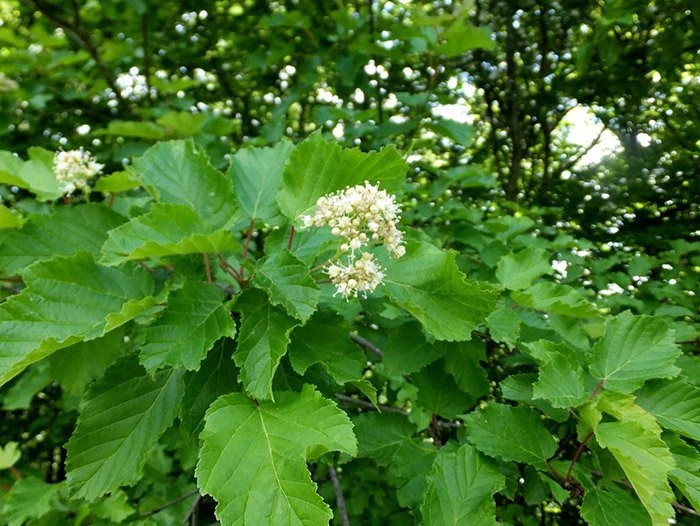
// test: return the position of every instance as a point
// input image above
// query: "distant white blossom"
(74, 169)
(611, 290)
(560, 266)
(132, 85)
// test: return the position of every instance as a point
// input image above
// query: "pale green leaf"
(557, 299)
(259, 450)
(9, 454)
(325, 340)
(175, 172)
(519, 388)
(136, 129)
(262, 341)
(633, 350)
(675, 404)
(686, 474)
(116, 182)
(165, 230)
(124, 414)
(67, 300)
(115, 508)
(612, 506)
(511, 433)
(518, 271)
(257, 177)
(460, 490)
(288, 283)
(9, 219)
(38, 177)
(67, 231)
(195, 318)
(460, 37)
(318, 167)
(646, 461)
(427, 283)
(29, 498)
(561, 378)
(504, 324)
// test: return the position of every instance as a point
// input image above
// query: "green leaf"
(67, 231)
(67, 300)
(76, 366)
(518, 271)
(257, 178)
(675, 404)
(646, 461)
(612, 506)
(557, 299)
(288, 283)
(379, 435)
(633, 350)
(325, 340)
(115, 508)
(29, 498)
(409, 472)
(262, 341)
(135, 129)
(116, 182)
(165, 230)
(260, 450)
(216, 377)
(441, 397)
(124, 415)
(462, 362)
(459, 132)
(318, 167)
(686, 474)
(195, 318)
(519, 388)
(37, 176)
(9, 219)
(511, 433)
(561, 378)
(9, 454)
(33, 380)
(175, 172)
(460, 37)
(461, 486)
(504, 324)
(427, 283)
(407, 351)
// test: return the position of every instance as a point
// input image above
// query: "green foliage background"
(480, 383)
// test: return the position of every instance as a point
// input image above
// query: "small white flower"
(74, 169)
(357, 277)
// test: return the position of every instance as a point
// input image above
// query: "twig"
(207, 267)
(339, 500)
(291, 238)
(364, 342)
(685, 509)
(597, 388)
(370, 405)
(192, 513)
(246, 247)
(171, 503)
(576, 455)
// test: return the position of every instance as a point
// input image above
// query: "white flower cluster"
(361, 216)
(74, 169)
(132, 86)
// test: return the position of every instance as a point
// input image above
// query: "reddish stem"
(16, 473)
(291, 238)
(576, 455)
(597, 388)
(112, 197)
(246, 247)
(207, 267)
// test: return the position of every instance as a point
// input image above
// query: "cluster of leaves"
(187, 320)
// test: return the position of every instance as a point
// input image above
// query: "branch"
(171, 503)
(583, 152)
(370, 405)
(77, 32)
(364, 342)
(339, 500)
